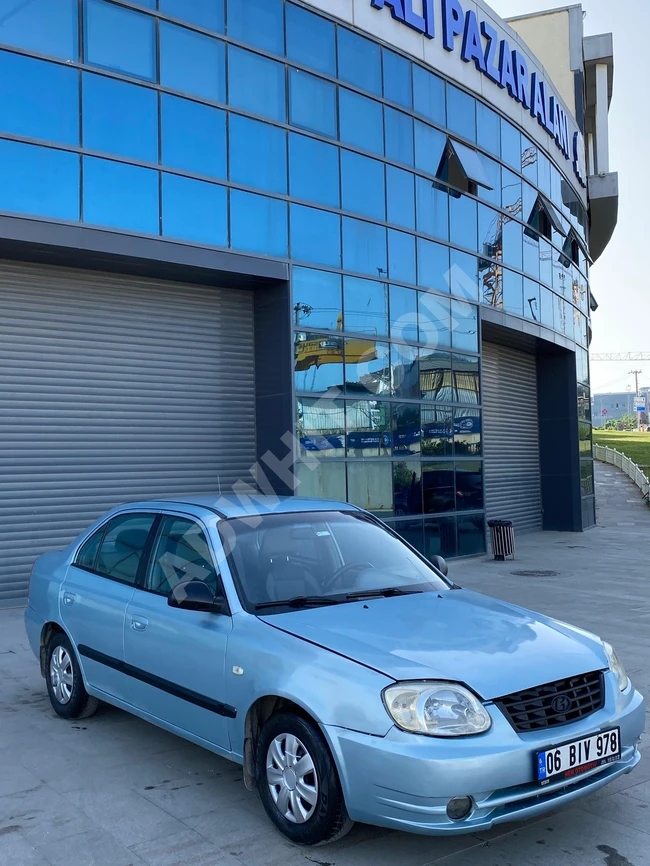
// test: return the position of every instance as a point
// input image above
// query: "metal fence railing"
(617, 458)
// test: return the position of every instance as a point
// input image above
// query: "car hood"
(493, 647)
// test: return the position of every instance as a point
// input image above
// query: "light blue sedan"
(306, 641)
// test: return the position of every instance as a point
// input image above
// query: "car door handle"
(69, 598)
(139, 623)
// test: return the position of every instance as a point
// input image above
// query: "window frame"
(146, 550)
(154, 535)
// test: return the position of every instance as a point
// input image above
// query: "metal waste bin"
(502, 538)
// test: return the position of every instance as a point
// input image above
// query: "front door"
(176, 658)
(94, 596)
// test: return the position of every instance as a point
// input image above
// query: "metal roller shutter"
(511, 437)
(113, 388)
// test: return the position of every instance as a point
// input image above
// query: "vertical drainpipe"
(602, 122)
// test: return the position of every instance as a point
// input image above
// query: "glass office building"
(249, 232)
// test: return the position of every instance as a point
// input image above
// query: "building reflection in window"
(467, 432)
(406, 429)
(435, 376)
(368, 426)
(320, 428)
(437, 431)
(404, 371)
(466, 379)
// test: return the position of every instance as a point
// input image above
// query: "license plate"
(578, 756)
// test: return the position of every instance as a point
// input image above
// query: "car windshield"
(284, 561)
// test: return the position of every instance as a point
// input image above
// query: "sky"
(618, 282)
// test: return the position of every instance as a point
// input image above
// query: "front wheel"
(298, 782)
(65, 686)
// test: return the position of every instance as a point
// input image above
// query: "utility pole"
(636, 374)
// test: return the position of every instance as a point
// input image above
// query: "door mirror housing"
(439, 563)
(195, 595)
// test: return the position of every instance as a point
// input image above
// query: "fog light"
(459, 808)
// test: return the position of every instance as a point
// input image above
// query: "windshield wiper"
(298, 601)
(383, 593)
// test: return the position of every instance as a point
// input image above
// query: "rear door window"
(122, 547)
(87, 556)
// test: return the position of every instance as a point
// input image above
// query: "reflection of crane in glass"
(529, 157)
(492, 278)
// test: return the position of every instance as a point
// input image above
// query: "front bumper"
(405, 781)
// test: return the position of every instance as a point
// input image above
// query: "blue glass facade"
(262, 127)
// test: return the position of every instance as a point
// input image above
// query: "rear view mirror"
(439, 563)
(195, 595)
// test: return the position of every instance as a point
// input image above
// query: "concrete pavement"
(114, 791)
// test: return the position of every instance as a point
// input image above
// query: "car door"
(176, 657)
(95, 593)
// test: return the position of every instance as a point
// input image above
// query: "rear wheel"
(298, 782)
(68, 697)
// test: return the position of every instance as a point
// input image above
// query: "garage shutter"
(113, 388)
(511, 437)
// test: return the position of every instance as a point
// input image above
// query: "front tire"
(65, 686)
(298, 782)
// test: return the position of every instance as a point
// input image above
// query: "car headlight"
(616, 666)
(437, 709)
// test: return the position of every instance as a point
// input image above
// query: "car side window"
(87, 555)
(181, 552)
(122, 546)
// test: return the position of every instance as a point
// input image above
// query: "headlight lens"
(616, 666)
(436, 708)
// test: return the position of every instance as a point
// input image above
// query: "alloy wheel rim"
(61, 675)
(292, 779)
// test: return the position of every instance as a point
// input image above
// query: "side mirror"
(195, 595)
(439, 563)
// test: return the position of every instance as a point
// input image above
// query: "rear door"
(94, 596)
(176, 658)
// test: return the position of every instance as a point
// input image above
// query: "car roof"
(231, 505)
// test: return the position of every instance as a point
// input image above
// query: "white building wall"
(548, 35)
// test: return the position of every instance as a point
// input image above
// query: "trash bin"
(502, 538)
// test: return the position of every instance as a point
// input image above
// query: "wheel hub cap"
(61, 675)
(291, 777)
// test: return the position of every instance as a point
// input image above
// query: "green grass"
(636, 446)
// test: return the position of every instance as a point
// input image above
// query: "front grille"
(532, 710)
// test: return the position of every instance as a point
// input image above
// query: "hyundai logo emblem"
(561, 704)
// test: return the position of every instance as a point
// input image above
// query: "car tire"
(306, 805)
(65, 685)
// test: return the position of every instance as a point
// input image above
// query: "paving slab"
(114, 791)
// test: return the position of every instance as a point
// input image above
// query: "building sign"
(479, 43)
(640, 403)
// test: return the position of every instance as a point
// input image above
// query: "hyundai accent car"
(308, 642)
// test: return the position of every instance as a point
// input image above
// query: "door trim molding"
(177, 691)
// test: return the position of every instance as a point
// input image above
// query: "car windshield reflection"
(286, 561)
